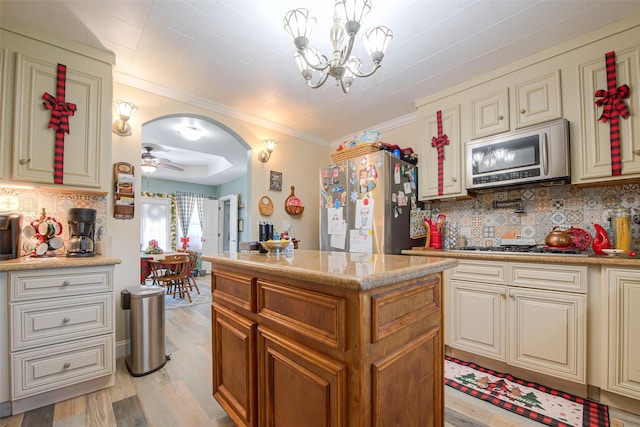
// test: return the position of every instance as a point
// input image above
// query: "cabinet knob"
(637, 152)
(67, 365)
(454, 179)
(66, 283)
(65, 320)
(24, 161)
(500, 117)
(523, 111)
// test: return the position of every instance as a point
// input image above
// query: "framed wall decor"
(275, 181)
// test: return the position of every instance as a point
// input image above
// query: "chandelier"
(348, 16)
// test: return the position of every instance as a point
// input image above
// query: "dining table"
(145, 266)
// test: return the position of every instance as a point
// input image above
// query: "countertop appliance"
(10, 231)
(534, 154)
(82, 225)
(366, 204)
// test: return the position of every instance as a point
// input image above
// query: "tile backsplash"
(30, 202)
(544, 208)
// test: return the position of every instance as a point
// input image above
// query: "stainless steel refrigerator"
(368, 204)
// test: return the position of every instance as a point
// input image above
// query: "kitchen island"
(328, 338)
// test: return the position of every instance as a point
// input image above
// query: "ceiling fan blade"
(170, 166)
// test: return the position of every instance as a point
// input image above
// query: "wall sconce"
(270, 145)
(125, 111)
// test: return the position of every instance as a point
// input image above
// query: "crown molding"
(177, 95)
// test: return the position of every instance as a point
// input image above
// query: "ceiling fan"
(149, 162)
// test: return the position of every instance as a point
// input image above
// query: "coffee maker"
(82, 224)
(10, 230)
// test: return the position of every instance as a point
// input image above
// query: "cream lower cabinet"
(621, 297)
(61, 334)
(506, 311)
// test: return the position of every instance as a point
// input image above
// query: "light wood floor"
(180, 393)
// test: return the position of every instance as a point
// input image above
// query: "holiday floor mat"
(531, 400)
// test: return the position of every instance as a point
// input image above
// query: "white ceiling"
(233, 56)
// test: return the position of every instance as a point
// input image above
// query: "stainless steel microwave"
(537, 153)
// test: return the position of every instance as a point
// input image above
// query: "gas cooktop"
(524, 249)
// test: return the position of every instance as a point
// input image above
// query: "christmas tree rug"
(531, 400)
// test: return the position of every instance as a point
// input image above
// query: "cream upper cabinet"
(490, 114)
(88, 85)
(452, 170)
(591, 156)
(5, 154)
(621, 297)
(537, 100)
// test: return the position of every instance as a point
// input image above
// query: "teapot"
(559, 238)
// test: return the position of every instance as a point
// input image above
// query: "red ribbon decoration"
(60, 112)
(439, 142)
(185, 242)
(614, 106)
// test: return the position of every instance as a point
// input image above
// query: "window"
(195, 232)
(155, 223)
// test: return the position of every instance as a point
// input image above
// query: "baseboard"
(122, 348)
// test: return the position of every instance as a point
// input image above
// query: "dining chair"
(171, 273)
(193, 263)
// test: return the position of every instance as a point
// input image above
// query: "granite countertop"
(340, 269)
(618, 260)
(37, 263)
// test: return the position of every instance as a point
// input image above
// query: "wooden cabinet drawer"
(481, 271)
(555, 277)
(319, 317)
(50, 368)
(33, 284)
(53, 321)
(235, 291)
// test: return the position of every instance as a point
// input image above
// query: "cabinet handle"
(65, 320)
(66, 283)
(24, 161)
(500, 117)
(523, 111)
(67, 365)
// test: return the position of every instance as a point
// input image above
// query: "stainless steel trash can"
(144, 317)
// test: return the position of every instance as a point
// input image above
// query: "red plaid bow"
(185, 242)
(612, 100)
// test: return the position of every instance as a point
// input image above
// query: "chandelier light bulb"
(348, 17)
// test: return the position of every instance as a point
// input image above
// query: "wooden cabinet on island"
(328, 339)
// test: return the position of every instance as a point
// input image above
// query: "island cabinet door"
(234, 365)
(299, 386)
